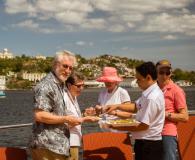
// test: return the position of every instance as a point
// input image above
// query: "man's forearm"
(49, 118)
(129, 107)
(182, 116)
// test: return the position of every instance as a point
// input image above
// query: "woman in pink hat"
(112, 94)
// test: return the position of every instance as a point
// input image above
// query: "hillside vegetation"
(91, 68)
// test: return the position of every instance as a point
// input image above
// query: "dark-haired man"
(150, 108)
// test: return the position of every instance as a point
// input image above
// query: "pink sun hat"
(109, 74)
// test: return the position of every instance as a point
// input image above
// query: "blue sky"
(149, 30)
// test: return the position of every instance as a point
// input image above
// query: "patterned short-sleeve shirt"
(48, 96)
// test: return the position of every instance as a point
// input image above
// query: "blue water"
(17, 108)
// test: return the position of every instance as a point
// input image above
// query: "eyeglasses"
(65, 66)
(164, 72)
(79, 85)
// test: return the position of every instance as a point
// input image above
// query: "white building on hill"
(33, 76)
(184, 83)
(6, 54)
(40, 57)
(2, 82)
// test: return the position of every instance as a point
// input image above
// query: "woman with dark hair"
(75, 85)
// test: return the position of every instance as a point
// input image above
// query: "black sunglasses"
(65, 66)
(164, 72)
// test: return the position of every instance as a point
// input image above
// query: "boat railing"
(191, 112)
(15, 125)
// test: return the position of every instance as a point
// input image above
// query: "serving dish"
(122, 122)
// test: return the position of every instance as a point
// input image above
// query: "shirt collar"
(169, 85)
(149, 89)
(56, 80)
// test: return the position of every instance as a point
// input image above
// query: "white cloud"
(94, 24)
(132, 17)
(170, 37)
(21, 6)
(116, 28)
(170, 24)
(80, 43)
(66, 12)
(69, 17)
(31, 25)
(83, 43)
(175, 3)
(130, 25)
(28, 24)
(116, 16)
(103, 5)
(138, 6)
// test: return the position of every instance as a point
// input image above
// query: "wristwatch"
(169, 115)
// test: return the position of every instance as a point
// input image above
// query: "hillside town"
(30, 70)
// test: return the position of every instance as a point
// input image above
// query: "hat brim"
(164, 66)
(109, 79)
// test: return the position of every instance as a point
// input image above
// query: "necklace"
(74, 103)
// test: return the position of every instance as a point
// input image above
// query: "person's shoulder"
(123, 90)
(44, 83)
(42, 86)
(156, 93)
(176, 88)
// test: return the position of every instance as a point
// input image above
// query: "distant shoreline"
(97, 89)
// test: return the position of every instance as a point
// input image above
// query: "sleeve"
(124, 96)
(147, 112)
(43, 99)
(180, 99)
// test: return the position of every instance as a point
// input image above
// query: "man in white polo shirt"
(150, 112)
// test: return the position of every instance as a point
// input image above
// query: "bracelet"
(115, 113)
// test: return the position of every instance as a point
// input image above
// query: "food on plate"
(123, 122)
